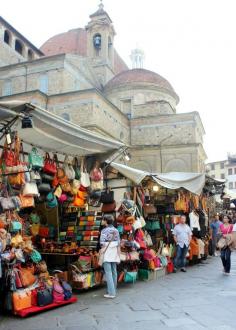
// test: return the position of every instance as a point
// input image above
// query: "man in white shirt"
(182, 236)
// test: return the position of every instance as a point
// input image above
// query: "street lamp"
(161, 142)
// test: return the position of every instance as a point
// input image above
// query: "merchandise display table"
(35, 309)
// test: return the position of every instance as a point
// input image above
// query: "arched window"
(7, 37)
(30, 55)
(109, 45)
(18, 47)
(65, 116)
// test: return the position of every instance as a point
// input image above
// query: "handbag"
(75, 164)
(44, 188)
(34, 218)
(67, 290)
(84, 176)
(51, 201)
(21, 300)
(224, 241)
(107, 197)
(66, 187)
(43, 231)
(108, 208)
(153, 225)
(34, 229)
(47, 178)
(96, 174)
(130, 277)
(69, 170)
(58, 192)
(44, 297)
(103, 250)
(165, 251)
(30, 189)
(41, 267)
(26, 201)
(15, 226)
(7, 203)
(50, 166)
(26, 276)
(63, 198)
(35, 160)
(35, 256)
(35, 176)
(97, 185)
(79, 202)
(150, 209)
(57, 292)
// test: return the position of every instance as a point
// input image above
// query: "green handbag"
(35, 218)
(15, 226)
(153, 225)
(35, 256)
(130, 277)
(36, 161)
(120, 229)
(51, 200)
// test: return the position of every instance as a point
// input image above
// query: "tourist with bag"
(215, 235)
(225, 244)
(109, 255)
(182, 236)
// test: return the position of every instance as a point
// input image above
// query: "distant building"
(225, 169)
(79, 76)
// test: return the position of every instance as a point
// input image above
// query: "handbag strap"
(109, 242)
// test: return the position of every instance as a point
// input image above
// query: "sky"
(189, 42)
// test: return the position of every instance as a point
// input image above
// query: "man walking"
(182, 236)
(215, 233)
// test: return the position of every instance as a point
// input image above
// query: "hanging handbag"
(26, 201)
(75, 164)
(79, 202)
(47, 178)
(69, 170)
(35, 159)
(50, 166)
(150, 209)
(34, 229)
(108, 208)
(96, 174)
(35, 256)
(107, 197)
(43, 231)
(15, 226)
(165, 251)
(35, 176)
(7, 203)
(44, 188)
(66, 187)
(34, 218)
(51, 200)
(27, 278)
(58, 192)
(84, 176)
(30, 189)
(153, 225)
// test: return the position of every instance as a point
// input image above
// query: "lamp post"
(161, 142)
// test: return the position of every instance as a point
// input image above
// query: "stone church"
(80, 76)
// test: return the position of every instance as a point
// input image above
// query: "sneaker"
(228, 274)
(109, 296)
(183, 270)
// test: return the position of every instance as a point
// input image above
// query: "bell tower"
(100, 48)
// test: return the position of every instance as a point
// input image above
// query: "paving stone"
(139, 307)
(178, 322)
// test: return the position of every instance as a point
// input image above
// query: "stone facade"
(90, 85)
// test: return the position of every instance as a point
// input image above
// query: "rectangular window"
(222, 165)
(7, 88)
(235, 170)
(212, 167)
(222, 176)
(43, 83)
(231, 185)
(230, 171)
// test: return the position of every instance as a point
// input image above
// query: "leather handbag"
(43, 231)
(51, 201)
(26, 276)
(15, 226)
(34, 229)
(7, 203)
(107, 208)
(26, 201)
(58, 192)
(44, 188)
(35, 159)
(41, 267)
(75, 164)
(50, 166)
(30, 189)
(21, 300)
(66, 187)
(57, 292)
(47, 178)
(107, 197)
(67, 290)
(69, 170)
(35, 176)
(96, 174)
(150, 209)
(35, 256)
(79, 202)
(165, 251)
(44, 297)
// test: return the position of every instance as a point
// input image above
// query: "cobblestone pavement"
(202, 298)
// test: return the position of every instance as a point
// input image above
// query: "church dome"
(139, 76)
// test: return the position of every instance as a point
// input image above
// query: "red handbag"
(170, 266)
(50, 165)
(107, 208)
(34, 297)
(43, 232)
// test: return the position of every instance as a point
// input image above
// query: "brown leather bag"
(150, 209)
(108, 208)
(26, 276)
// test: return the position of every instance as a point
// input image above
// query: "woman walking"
(110, 244)
(226, 228)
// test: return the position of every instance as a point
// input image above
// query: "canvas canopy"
(54, 134)
(193, 182)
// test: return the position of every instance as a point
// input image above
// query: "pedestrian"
(215, 233)
(110, 242)
(182, 236)
(226, 228)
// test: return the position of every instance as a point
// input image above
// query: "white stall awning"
(54, 134)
